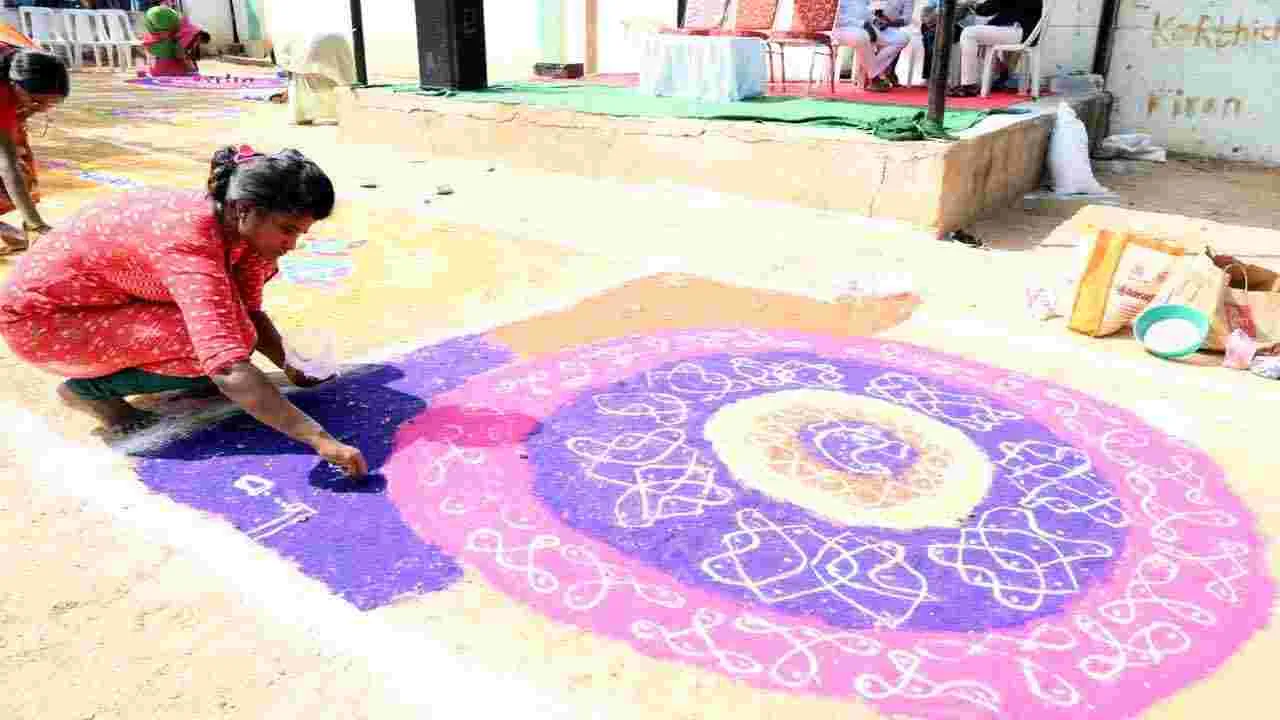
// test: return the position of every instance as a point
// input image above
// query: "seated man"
(860, 27)
(1013, 20)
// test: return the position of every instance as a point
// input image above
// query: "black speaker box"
(451, 44)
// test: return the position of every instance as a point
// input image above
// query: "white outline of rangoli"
(1060, 478)
(775, 430)
(1132, 633)
(836, 567)
(664, 477)
(1018, 561)
(908, 391)
(863, 439)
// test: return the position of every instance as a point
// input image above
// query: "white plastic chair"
(916, 34)
(46, 29)
(120, 33)
(86, 29)
(1031, 76)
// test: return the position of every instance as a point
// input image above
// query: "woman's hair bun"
(221, 168)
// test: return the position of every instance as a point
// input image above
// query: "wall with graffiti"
(1198, 75)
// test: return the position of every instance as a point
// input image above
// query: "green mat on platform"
(889, 122)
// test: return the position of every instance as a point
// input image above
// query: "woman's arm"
(270, 343)
(195, 275)
(17, 185)
(248, 387)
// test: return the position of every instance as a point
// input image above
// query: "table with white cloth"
(712, 69)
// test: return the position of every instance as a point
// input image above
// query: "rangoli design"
(321, 263)
(210, 82)
(173, 116)
(845, 517)
(110, 180)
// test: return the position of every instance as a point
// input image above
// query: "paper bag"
(1251, 303)
(1232, 294)
(1197, 282)
(1121, 276)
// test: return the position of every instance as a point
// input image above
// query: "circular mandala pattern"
(851, 458)
(846, 517)
(643, 478)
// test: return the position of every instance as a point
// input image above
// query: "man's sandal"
(880, 85)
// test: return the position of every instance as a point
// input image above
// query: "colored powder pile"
(1171, 335)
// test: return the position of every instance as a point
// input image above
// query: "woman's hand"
(349, 459)
(303, 380)
(249, 388)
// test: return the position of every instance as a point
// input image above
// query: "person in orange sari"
(31, 81)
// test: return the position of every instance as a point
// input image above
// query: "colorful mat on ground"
(843, 517)
(210, 82)
(883, 120)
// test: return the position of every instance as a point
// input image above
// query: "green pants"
(134, 382)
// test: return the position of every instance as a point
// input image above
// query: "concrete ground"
(117, 604)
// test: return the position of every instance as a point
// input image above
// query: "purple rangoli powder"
(347, 534)
(994, 572)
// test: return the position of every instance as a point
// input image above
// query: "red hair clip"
(245, 154)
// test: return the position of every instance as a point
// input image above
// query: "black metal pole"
(1106, 30)
(357, 43)
(941, 64)
(235, 31)
(681, 6)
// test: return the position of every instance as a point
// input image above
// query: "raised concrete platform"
(939, 186)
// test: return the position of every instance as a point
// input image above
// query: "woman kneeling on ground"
(172, 42)
(161, 290)
(31, 82)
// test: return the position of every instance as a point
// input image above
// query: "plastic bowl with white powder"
(1171, 331)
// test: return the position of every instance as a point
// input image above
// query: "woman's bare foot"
(198, 393)
(118, 417)
(115, 433)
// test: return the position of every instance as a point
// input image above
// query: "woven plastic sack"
(1069, 155)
